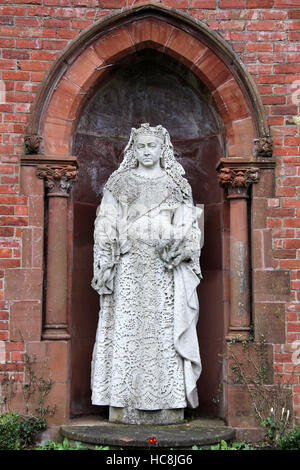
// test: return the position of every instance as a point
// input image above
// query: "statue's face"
(147, 150)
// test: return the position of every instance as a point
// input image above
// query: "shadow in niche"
(147, 87)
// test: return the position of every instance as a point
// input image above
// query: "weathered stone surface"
(136, 436)
(271, 285)
(269, 320)
(134, 416)
(26, 321)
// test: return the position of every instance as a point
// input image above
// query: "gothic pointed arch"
(89, 56)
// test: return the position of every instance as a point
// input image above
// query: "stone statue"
(147, 243)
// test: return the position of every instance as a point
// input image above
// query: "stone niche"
(149, 64)
(148, 87)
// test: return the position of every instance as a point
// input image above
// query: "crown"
(146, 129)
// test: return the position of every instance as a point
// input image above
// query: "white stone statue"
(147, 244)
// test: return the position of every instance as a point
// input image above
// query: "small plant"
(276, 427)
(29, 427)
(9, 431)
(291, 440)
(65, 445)
(7, 392)
(18, 432)
(223, 445)
(36, 388)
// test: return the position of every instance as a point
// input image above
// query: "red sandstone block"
(232, 3)
(3, 335)
(41, 11)
(13, 10)
(274, 223)
(112, 3)
(271, 79)
(54, 45)
(7, 220)
(186, 46)
(273, 15)
(13, 31)
(7, 42)
(66, 34)
(37, 76)
(294, 36)
(5, 252)
(259, 3)
(17, 356)
(57, 23)
(85, 3)
(29, 43)
(15, 75)
(292, 181)
(293, 25)
(287, 68)
(4, 315)
(40, 33)
(292, 140)
(293, 327)
(293, 14)
(286, 3)
(271, 57)
(295, 285)
(44, 55)
(62, 3)
(176, 3)
(280, 99)
(34, 65)
(290, 264)
(28, 22)
(293, 57)
(243, 36)
(259, 47)
(260, 26)
(13, 118)
(271, 36)
(81, 24)
(6, 232)
(7, 169)
(283, 110)
(21, 210)
(234, 25)
(15, 346)
(284, 254)
(271, 212)
(6, 210)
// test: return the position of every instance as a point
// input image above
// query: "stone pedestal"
(155, 417)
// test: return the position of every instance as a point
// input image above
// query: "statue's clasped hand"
(172, 252)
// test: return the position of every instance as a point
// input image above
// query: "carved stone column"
(236, 180)
(58, 181)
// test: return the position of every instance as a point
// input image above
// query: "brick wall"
(265, 34)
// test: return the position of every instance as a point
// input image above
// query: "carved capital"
(58, 178)
(32, 143)
(238, 177)
(237, 180)
(264, 147)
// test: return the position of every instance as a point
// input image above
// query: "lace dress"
(146, 354)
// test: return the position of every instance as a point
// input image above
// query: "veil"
(168, 161)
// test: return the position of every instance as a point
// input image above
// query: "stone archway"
(71, 82)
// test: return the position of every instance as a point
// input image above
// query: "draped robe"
(146, 354)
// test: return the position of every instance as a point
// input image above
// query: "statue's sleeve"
(188, 231)
(105, 244)
(187, 275)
